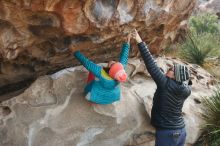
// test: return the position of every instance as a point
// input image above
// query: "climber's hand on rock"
(136, 36)
(72, 49)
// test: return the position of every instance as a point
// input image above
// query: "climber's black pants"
(170, 137)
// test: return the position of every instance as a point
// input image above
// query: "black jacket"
(169, 97)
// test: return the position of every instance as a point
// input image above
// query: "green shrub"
(211, 131)
(197, 48)
(204, 23)
(203, 40)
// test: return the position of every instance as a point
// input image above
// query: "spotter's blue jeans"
(170, 137)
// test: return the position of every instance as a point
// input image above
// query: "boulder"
(54, 111)
(35, 35)
(211, 6)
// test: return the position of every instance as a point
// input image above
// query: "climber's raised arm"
(125, 51)
(89, 65)
(149, 61)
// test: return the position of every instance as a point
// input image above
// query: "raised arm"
(155, 72)
(89, 65)
(124, 54)
(125, 51)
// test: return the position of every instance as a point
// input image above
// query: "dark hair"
(106, 69)
(171, 69)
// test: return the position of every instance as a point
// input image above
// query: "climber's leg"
(88, 98)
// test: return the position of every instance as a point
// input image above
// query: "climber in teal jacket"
(105, 88)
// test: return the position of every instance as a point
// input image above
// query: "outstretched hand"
(136, 36)
(72, 49)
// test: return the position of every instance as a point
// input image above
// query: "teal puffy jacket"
(104, 89)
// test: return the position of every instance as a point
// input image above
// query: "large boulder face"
(54, 111)
(212, 6)
(35, 35)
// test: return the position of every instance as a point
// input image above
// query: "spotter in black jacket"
(169, 97)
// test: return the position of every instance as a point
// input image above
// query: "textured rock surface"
(211, 6)
(54, 111)
(35, 34)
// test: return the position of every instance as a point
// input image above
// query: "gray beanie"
(181, 73)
